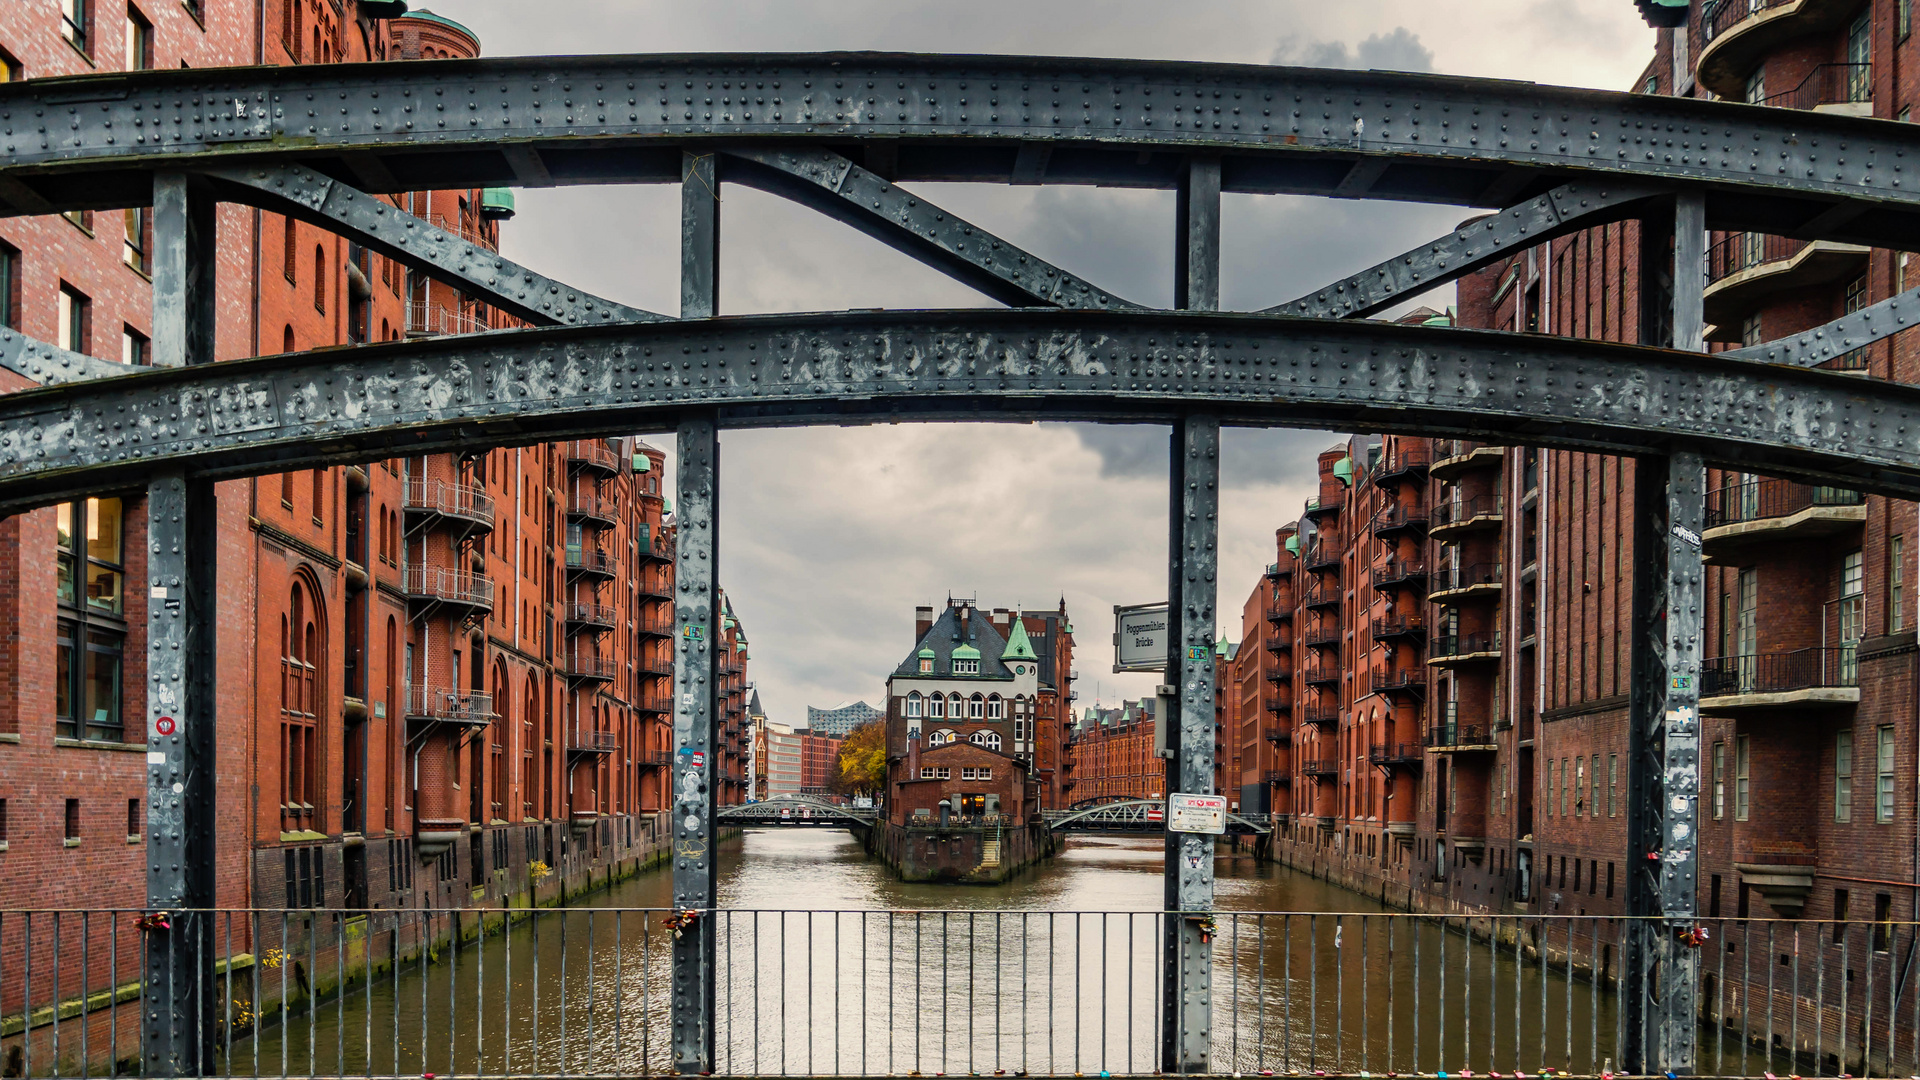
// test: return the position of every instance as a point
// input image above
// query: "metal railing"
(1446, 450)
(1463, 645)
(1743, 250)
(1317, 674)
(1719, 16)
(429, 319)
(1321, 557)
(1756, 499)
(1404, 461)
(450, 499)
(1323, 766)
(1395, 753)
(1448, 578)
(594, 453)
(595, 741)
(1320, 715)
(1399, 625)
(457, 706)
(322, 991)
(1322, 592)
(1781, 672)
(1827, 84)
(591, 614)
(585, 665)
(1406, 679)
(1279, 736)
(447, 586)
(589, 560)
(1395, 518)
(1449, 512)
(1321, 636)
(592, 507)
(1449, 735)
(1397, 572)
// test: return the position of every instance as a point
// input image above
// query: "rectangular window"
(289, 252)
(137, 238)
(3, 821)
(76, 19)
(1883, 780)
(986, 773)
(926, 772)
(1566, 793)
(75, 320)
(1719, 780)
(73, 819)
(1882, 921)
(946, 773)
(1613, 782)
(1853, 611)
(134, 347)
(1843, 776)
(9, 287)
(139, 41)
(133, 819)
(10, 70)
(1902, 19)
(1841, 901)
(1593, 804)
(1896, 584)
(1742, 776)
(89, 583)
(1579, 786)
(1549, 772)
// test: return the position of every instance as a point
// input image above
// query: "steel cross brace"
(833, 185)
(49, 364)
(412, 241)
(1827, 341)
(1473, 245)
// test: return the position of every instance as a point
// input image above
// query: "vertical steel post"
(1192, 568)
(696, 625)
(178, 998)
(1659, 971)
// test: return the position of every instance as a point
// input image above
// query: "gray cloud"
(1398, 49)
(830, 536)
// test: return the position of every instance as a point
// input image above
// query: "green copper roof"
(966, 652)
(423, 13)
(1018, 647)
(642, 463)
(1293, 545)
(925, 654)
(1343, 471)
(496, 202)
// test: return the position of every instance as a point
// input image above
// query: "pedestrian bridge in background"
(1136, 815)
(800, 812)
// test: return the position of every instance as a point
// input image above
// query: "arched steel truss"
(840, 133)
(1136, 815)
(787, 812)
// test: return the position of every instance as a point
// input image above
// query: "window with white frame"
(926, 772)
(1742, 776)
(976, 707)
(996, 708)
(936, 706)
(966, 667)
(941, 737)
(988, 739)
(913, 704)
(1843, 776)
(1883, 775)
(956, 706)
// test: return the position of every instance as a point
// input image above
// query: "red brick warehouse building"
(433, 671)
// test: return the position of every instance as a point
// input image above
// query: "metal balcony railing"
(1447, 579)
(1719, 16)
(445, 498)
(655, 703)
(595, 742)
(597, 616)
(1321, 557)
(591, 667)
(438, 320)
(1397, 519)
(1319, 637)
(1278, 570)
(1446, 451)
(1321, 674)
(1407, 680)
(438, 585)
(472, 233)
(1780, 672)
(654, 668)
(586, 507)
(1463, 645)
(1396, 573)
(1395, 753)
(450, 706)
(1279, 613)
(1278, 645)
(586, 560)
(1323, 592)
(1758, 499)
(1320, 716)
(1275, 706)
(1275, 776)
(1320, 767)
(1403, 463)
(1409, 624)
(592, 454)
(654, 626)
(1278, 736)
(1444, 514)
(1317, 508)
(1453, 736)
(1827, 84)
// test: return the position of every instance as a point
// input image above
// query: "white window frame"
(913, 704)
(976, 707)
(1885, 760)
(1843, 776)
(1742, 776)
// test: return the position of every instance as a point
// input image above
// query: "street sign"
(1140, 637)
(1154, 813)
(1197, 813)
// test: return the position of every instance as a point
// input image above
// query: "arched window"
(936, 706)
(956, 706)
(976, 707)
(320, 279)
(393, 709)
(988, 739)
(286, 341)
(913, 703)
(528, 771)
(300, 650)
(289, 246)
(940, 738)
(996, 707)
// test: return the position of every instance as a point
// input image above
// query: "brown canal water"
(828, 964)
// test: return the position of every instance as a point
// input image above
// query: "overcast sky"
(831, 536)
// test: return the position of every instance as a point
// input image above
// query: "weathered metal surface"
(1135, 815)
(50, 364)
(1196, 251)
(1659, 972)
(269, 414)
(444, 256)
(1473, 245)
(1831, 340)
(695, 764)
(830, 183)
(699, 236)
(177, 1012)
(624, 119)
(1186, 1032)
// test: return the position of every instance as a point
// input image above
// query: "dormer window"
(966, 667)
(926, 665)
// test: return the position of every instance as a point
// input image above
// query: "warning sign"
(1196, 813)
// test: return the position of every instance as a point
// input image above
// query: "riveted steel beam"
(442, 255)
(1473, 245)
(269, 414)
(833, 185)
(624, 119)
(48, 364)
(1831, 340)
(696, 606)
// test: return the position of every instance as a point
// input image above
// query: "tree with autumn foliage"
(861, 768)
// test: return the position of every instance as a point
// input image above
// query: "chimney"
(922, 622)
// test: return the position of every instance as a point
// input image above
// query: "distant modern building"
(797, 762)
(841, 719)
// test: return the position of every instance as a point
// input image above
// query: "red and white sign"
(1154, 813)
(164, 725)
(1196, 813)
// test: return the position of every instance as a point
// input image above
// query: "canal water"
(828, 964)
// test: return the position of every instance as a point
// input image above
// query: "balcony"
(651, 591)
(1450, 519)
(1804, 678)
(1455, 650)
(654, 548)
(592, 510)
(436, 588)
(1321, 716)
(1275, 776)
(592, 742)
(1456, 456)
(1740, 34)
(1403, 627)
(1458, 738)
(1320, 558)
(1834, 88)
(654, 626)
(1400, 520)
(1746, 270)
(1396, 755)
(1323, 593)
(1750, 513)
(655, 703)
(1454, 584)
(1322, 635)
(592, 455)
(654, 669)
(1411, 682)
(1406, 463)
(1317, 509)
(1322, 674)
(1278, 570)
(586, 667)
(586, 562)
(590, 617)
(464, 508)
(1399, 574)
(1321, 768)
(1279, 736)
(1278, 644)
(1280, 614)
(430, 705)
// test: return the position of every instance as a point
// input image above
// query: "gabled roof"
(1018, 646)
(948, 634)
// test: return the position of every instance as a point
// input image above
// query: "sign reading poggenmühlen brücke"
(1196, 813)
(1140, 637)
